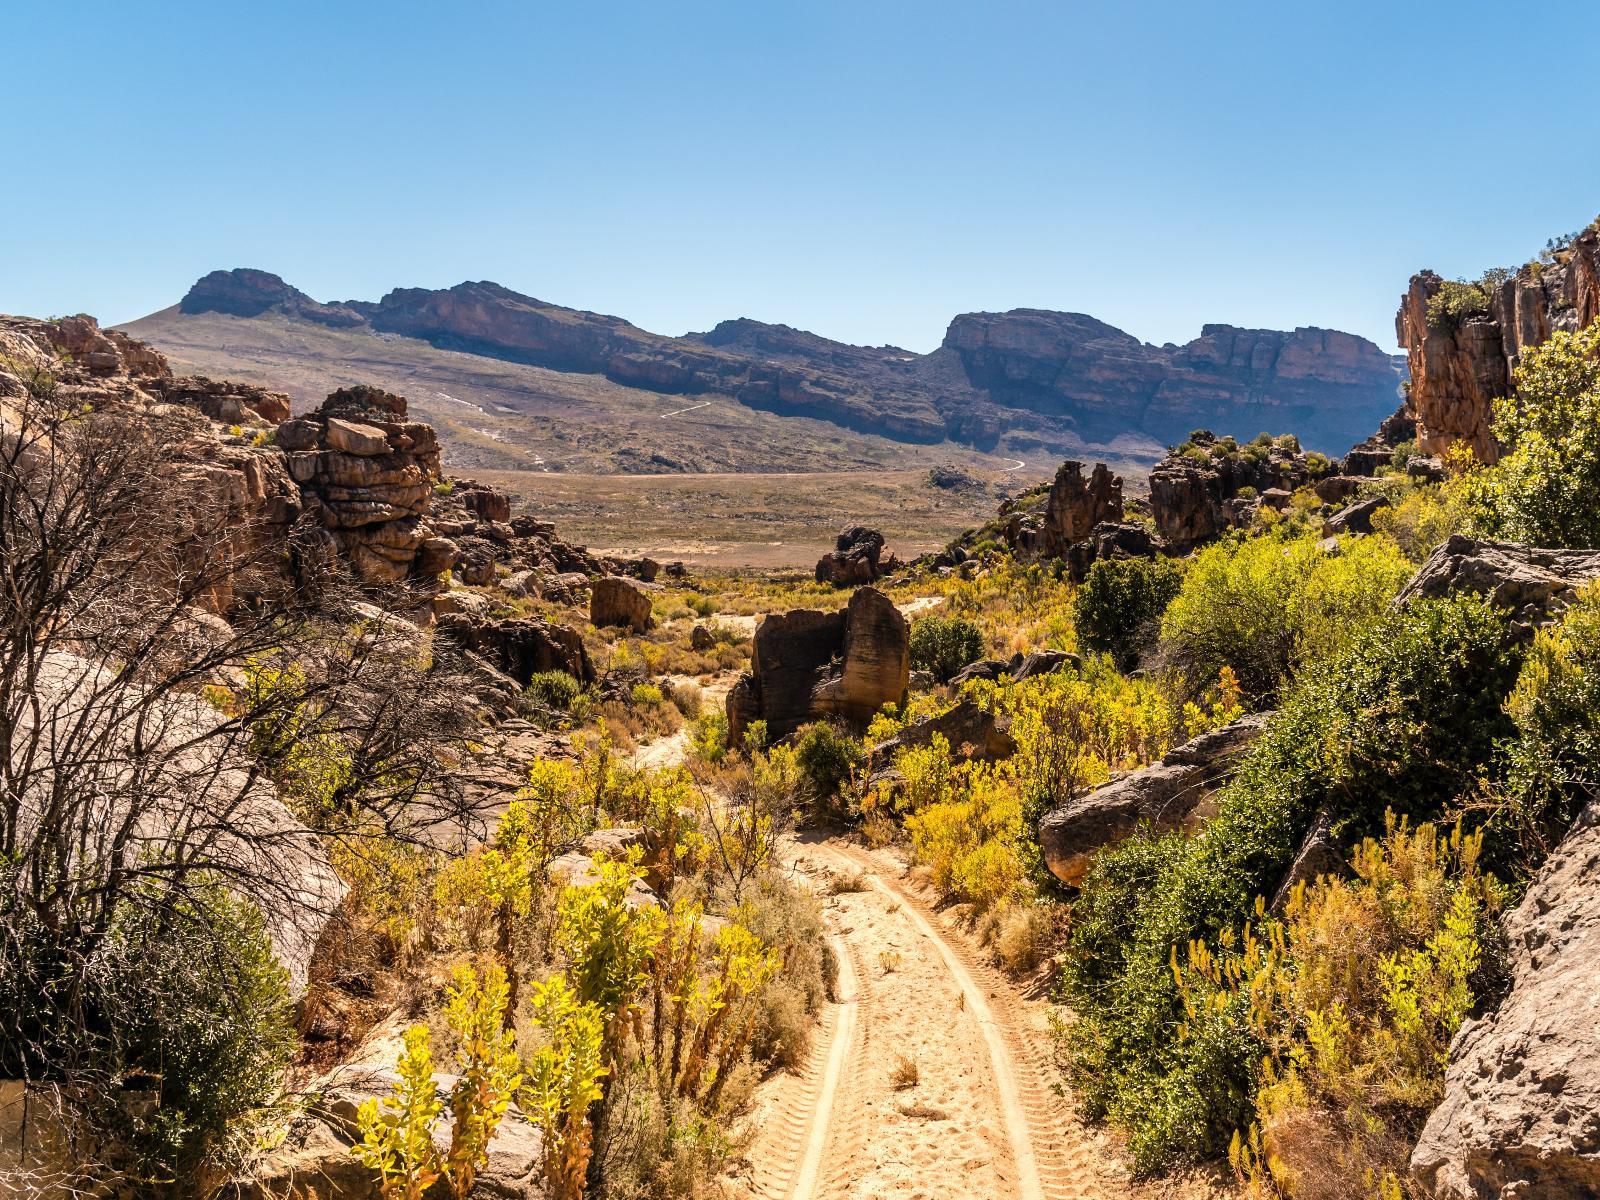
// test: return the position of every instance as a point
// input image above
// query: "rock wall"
(1521, 1110)
(1195, 496)
(1456, 374)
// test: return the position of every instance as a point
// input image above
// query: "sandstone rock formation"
(1165, 795)
(807, 665)
(971, 732)
(521, 648)
(615, 600)
(1042, 379)
(1534, 584)
(1072, 510)
(1194, 493)
(367, 474)
(1458, 370)
(1355, 518)
(1521, 1110)
(856, 558)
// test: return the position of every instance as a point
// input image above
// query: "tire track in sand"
(1054, 1157)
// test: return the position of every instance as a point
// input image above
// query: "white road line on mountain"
(457, 400)
(1018, 467)
(678, 412)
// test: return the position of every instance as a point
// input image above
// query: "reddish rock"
(1457, 373)
(615, 600)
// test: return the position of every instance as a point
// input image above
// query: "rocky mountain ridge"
(1461, 363)
(1017, 381)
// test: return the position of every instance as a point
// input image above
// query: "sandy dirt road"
(983, 1119)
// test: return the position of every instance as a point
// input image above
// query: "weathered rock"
(1165, 795)
(854, 559)
(616, 600)
(701, 639)
(877, 660)
(806, 665)
(521, 648)
(1193, 496)
(1320, 854)
(1041, 662)
(1357, 518)
(1536, 585)
(970, 730)
(985, 668)
(1520, 1116)
(1075, 506)
(369, 474)
(1458, 372)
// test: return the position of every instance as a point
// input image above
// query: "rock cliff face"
(1521, 1110)
(1030, 376)
(1458, 370)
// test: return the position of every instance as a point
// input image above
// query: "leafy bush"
(397, 1133)
(1406, 719)
(553, 689)
(1455, 303)
(710, 738)
(1120, 604)
(646, 695)
(827, 755)
(1354, 995)
(972, 841)
(943, 645)
(1264, 606)
(1552, 763)
(191, 999)
(1546, 490)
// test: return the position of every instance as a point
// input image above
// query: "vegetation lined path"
(929, 1079)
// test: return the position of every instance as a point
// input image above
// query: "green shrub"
(943, 645)
(1120, 604)
(189, 996)
(1405, 720)
(1262, 606)
(828, 754)
(1553, 761)
(1455, 303)
(1546, 490)
(646, 695)
(553, 689)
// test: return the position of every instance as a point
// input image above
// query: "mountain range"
(1023, 384)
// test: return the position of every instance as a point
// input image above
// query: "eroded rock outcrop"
(1460, 366)
(1195, 491)
(971, 732)
(617, 600)
(1520, 1116)
(856, 558)
(521, 648)
(807, 665)
(367, 473)
(1534, 584)
(1166, 795)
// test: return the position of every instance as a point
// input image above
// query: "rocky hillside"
(1017, 382)
(1463, 340)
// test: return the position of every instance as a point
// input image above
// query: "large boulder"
(807, 665)
(1521, 1110)
(971, 731)
(1356, 518)
(877, 661)
(1534, 584)
(1076, 505)
(1166, 795)
(855, 558)
(616, 600)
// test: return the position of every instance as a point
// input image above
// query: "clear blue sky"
(863, 169)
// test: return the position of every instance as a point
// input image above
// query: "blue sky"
(865, 170)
